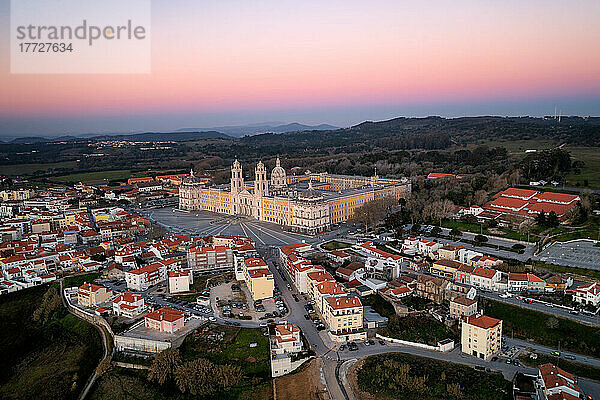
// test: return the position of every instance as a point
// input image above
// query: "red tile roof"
(557, 197)
(515, 192)
(165, 314)
(482, 321)
(338, 303)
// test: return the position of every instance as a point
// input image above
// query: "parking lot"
(234, 301)
(577, 253)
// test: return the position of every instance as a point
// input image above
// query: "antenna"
(555, 111)
(560, 116)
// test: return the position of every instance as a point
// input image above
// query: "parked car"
(569, 357)
(382, 342)
(343, 347)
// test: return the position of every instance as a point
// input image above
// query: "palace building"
(307, 203)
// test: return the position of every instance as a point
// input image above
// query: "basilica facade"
(307, 203)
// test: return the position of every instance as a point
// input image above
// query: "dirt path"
(305, 384)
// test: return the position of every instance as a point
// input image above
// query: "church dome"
(278, 171)
(191, 179)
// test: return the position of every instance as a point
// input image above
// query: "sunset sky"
(341, 62)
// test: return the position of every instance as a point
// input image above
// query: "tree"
(455, 233)
(540, 219)
(481, 238)
(202, 377)
(480, 197)
(164, 366)
(373, 211)
(552, 220)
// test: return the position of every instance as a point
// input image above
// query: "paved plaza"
(206, 223)
(576, 253)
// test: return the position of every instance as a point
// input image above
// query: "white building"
(588, 293)
(142, 278)
(180, 281)
(128, 305)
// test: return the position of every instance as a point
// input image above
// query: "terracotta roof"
(514, 276)
(338, 303)
(259, 273)
(462, 300)
(165, 314)
(515, 192)
(128, 297)
(255, 262)
(558, 197)
(484, 272)
(482, 321)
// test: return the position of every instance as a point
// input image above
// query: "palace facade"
(307, 203)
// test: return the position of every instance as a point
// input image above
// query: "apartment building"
(258, 278)
(140, 279)
(90, 295)
(209, 257)
(344, 316)
(481, 336)
(180, 281)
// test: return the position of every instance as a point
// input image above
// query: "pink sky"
(219, 57)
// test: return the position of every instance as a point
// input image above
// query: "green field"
(118, 175)
(518, 146)
(408, 377)
(545, 329)
(590, 172)
(50, 356)
(419, 329)
(28, 169)
(335, 245)
(78, 280)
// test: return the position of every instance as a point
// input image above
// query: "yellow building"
(90, 295)
(445, 268)
(309, 203)
(481, 336)
(344, 316)
(258, 278)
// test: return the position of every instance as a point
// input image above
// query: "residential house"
(165, 319)
(485, 278)
(587, 294)
(558, 384)
(431, 288)
(90, 295)
(463, 307)
(128, 305)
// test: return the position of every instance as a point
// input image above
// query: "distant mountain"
(30, 139)
(167, 136)
(134, 137)
(266, 127)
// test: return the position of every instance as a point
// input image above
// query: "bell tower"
(237, 180)
(261, 184)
